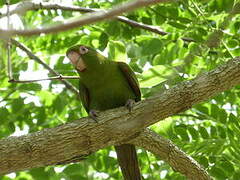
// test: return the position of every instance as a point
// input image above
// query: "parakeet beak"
(76, 60)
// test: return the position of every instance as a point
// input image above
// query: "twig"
(37, 59)
(60, 77)
(154, 29)
(24, 6)
(84, 20)
(9, 63)
(227, 49)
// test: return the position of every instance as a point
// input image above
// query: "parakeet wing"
(131, 79)
(84, 96)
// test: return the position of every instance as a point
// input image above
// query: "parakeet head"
(83, 57)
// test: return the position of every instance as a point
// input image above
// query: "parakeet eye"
(83, 50)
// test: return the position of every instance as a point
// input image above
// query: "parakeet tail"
(127, 159)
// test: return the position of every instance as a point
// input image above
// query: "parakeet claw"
(129, 104)
(93, 114)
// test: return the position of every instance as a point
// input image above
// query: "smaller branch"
(88, 19)
(25, 6)
(198, 9)
(60, 77)
(38, 60)
(154, 29)
(32, 56)
(171, 154)
(9, 63)
(227, 49)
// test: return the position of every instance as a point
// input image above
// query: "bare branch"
(25, 6)
(60, 77)
(9, 63)
(171, 154)
(154, 29)
(84, 20)
(38, 60)
(82, 137)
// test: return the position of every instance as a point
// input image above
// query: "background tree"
(165, 44)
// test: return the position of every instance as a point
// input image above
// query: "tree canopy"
(185, 49)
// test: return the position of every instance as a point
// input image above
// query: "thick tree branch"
(84, 136)
(171, 154)
(84, 20)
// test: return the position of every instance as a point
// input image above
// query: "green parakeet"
(106, 84)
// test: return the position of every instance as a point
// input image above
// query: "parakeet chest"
(107, 88)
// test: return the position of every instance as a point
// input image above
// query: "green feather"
(105, 84)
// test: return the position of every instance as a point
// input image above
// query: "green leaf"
(103, 41)
(73, 169)
(150, 45)
(194, 133)
(17, 104)
(155, 75)
(30, 87)
(236, 52)
(113, 28)
(11, 127)
(233, 119)
(212, 159)
(220, 5)
(159, 19)
(39, 173)
(203, 132)
(223, 116)
(236, 175)
(3, 113)
(217, 172)
(214, 111)
(203, 161)
(227, 167)
(182, 131)
(47, 97)
(232, 43)
(133, 51)
(59, 103)
(117, 51)
(202, 111)
(177, 25)
(222, 132)
(213, 131)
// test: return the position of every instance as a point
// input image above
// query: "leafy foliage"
(209, 132)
